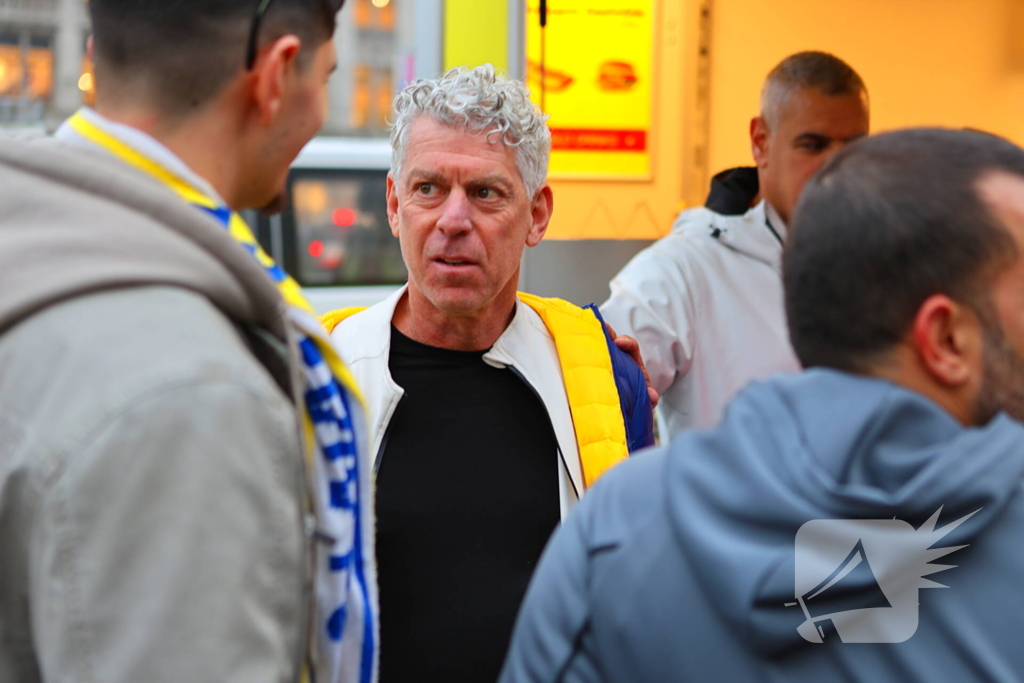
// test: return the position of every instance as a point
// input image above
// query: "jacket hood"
(733, 191)
(748, 234)
(824, 445)
(77, 221)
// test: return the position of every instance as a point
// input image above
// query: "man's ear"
(540, 213)
(392, 199)
(274, 67)
(759, 140)
(949, 339)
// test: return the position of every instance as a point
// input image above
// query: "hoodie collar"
(144, 144)
(78, 221)
(751, 235)
(775, 222)
(824, 445)
(733, 191)
(380, 316)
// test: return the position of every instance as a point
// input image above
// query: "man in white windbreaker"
(706, 302)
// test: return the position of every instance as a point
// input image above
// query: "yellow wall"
(475, 32)
(926, 62)
(644, 209)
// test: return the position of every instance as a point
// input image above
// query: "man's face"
(463, 216)
(303, 110)
(1003, 356)
(811, 127)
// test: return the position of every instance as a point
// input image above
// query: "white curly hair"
(478, 99)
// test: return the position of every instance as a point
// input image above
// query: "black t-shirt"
(467, 496)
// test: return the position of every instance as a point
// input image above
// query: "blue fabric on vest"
(637, 410)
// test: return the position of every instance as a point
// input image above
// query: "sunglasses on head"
(254, 31)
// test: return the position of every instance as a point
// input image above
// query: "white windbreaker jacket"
(706, 305)
(364, 343)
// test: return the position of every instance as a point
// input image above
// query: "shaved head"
(820, 71)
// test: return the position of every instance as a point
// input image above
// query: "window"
(375, 57)
(26, 75)
(341, 230)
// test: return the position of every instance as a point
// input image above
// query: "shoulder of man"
(359, 333)
(144, 404)
(700, 227)
(97, 354)
(694, 237)
(581, 337)
(81, 221)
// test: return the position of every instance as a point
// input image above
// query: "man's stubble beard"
(1002, 387)
(276, 205)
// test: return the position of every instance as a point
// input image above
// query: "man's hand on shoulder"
(631, 347)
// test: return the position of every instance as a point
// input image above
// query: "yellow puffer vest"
(588, 376)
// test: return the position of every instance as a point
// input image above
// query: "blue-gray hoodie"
(680, 564)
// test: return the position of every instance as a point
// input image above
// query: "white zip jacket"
(364, 343)
(706, 305)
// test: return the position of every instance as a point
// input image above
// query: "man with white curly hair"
(493, 410)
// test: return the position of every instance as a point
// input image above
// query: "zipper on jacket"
(379, 455)
(561, 456)
(771, 227)
(387, 433)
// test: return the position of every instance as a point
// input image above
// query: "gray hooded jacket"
(685, 563)
(152, 488)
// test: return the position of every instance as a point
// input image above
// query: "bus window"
(341, 229)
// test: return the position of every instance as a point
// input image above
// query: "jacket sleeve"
(651, 301)
(555, 614)
(170, 547)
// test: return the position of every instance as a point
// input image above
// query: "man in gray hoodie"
(796, 540)
(179, 494)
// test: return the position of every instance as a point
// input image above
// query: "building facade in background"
(45, 74)
(42, 49)
(375, 60)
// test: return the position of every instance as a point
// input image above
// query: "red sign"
(599, 140)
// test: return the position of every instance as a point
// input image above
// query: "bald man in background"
(706, 302)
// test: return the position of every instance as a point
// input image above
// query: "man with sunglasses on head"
(181, 492)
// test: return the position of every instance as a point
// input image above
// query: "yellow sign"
(475, 32)
(592, 70)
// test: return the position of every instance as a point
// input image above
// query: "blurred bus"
(333, 234)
